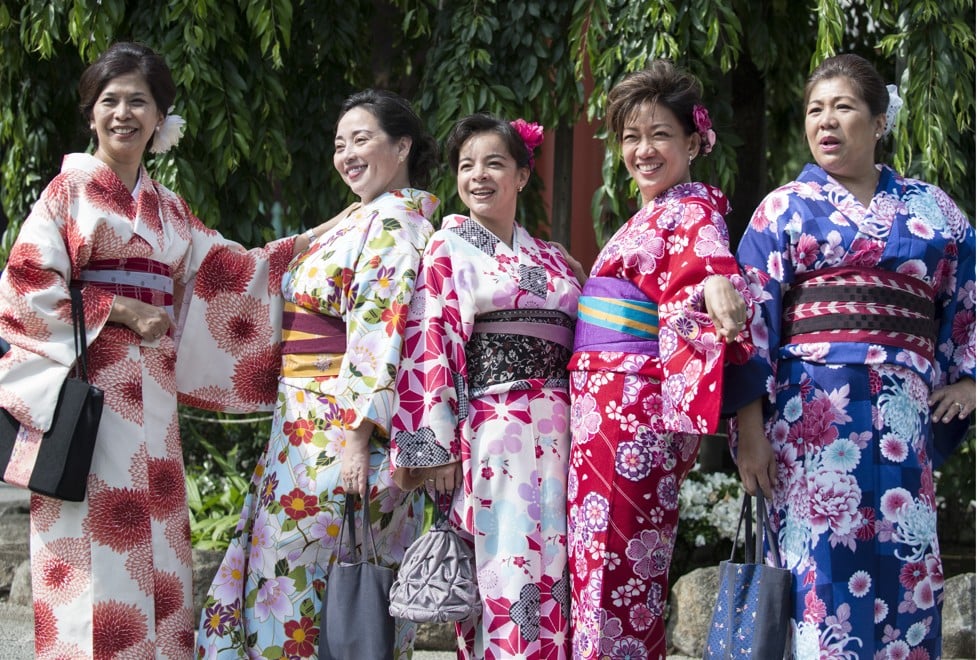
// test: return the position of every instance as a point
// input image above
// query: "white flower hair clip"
(168, 133)
(894, 105)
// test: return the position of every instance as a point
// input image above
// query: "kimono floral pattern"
(849, 422)
(111, 575)
(511, 437)
(265, 601)
(637, 420)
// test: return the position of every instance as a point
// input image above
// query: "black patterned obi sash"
(145, 280)
(867, 305)
(517, 345)
(313, 344)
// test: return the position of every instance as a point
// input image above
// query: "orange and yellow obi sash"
(313, 344)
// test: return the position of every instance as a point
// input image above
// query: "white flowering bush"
(710, 504)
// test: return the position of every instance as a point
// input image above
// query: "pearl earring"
(877, 136)
(690, 159)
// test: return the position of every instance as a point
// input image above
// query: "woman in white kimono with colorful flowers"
(111, 575)
(483, 401)
(347, 300)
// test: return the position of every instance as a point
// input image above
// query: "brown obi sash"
(855, 304)
(510, 346)
(313, 344)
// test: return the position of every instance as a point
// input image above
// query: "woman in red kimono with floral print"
(659, 306)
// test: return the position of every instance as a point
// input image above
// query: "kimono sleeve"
(35, 308)
(377, 305)
(763, 254)
(691, 355)
(229, 322)
(432, 404)
(956, 348)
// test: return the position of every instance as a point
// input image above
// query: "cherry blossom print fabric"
(849, 422)
(637, 418)
(111, 576)
(511, 434)
(265, 599)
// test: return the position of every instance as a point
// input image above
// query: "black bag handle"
(350, 504)
(762, 526)
(81, 343)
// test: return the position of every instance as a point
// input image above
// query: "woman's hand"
(574, 264)
(148, 321)
(754, 457)
(958, 399)
(725, 307)
(303, 241)
(442, 478)
(355, 463)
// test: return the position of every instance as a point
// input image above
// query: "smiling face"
(368, 159)
(840, 129)
(656, 151)
(488, 180)
(124, 119)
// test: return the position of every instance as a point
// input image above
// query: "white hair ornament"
(894, 105)
(168, 134)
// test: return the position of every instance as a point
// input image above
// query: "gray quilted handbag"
(437, 579)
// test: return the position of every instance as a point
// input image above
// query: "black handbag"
(754, 604)
(354, 619)
(64, 457)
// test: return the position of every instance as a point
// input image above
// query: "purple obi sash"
(614, 315)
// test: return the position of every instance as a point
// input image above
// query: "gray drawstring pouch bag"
(437, 579)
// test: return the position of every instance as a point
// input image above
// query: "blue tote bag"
(754, 604)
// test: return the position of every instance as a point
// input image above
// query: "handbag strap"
(755, 540)
(762, 523)
(350, 505)
(81, 342)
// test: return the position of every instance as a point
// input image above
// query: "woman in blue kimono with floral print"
(867, 353)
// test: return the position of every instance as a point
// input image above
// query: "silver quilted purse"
(437, 579)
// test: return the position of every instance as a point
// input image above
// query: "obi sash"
(859, 304)
(515, 345)
(312, 344)
(614, 315)
(145, 280)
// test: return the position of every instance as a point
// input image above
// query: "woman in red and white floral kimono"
(654, 318)
(169, 306)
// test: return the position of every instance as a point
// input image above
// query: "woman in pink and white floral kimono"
(170, 306)
(483, 394)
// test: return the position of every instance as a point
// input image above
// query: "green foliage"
(928, 47)
(509, 58)
(956, 488)
(258, 83)
(220, 455)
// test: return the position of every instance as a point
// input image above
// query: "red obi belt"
(865, 305)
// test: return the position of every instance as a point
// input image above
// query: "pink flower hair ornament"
(702, 122)
(533, 135)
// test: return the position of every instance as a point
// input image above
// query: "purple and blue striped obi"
(614, 315)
